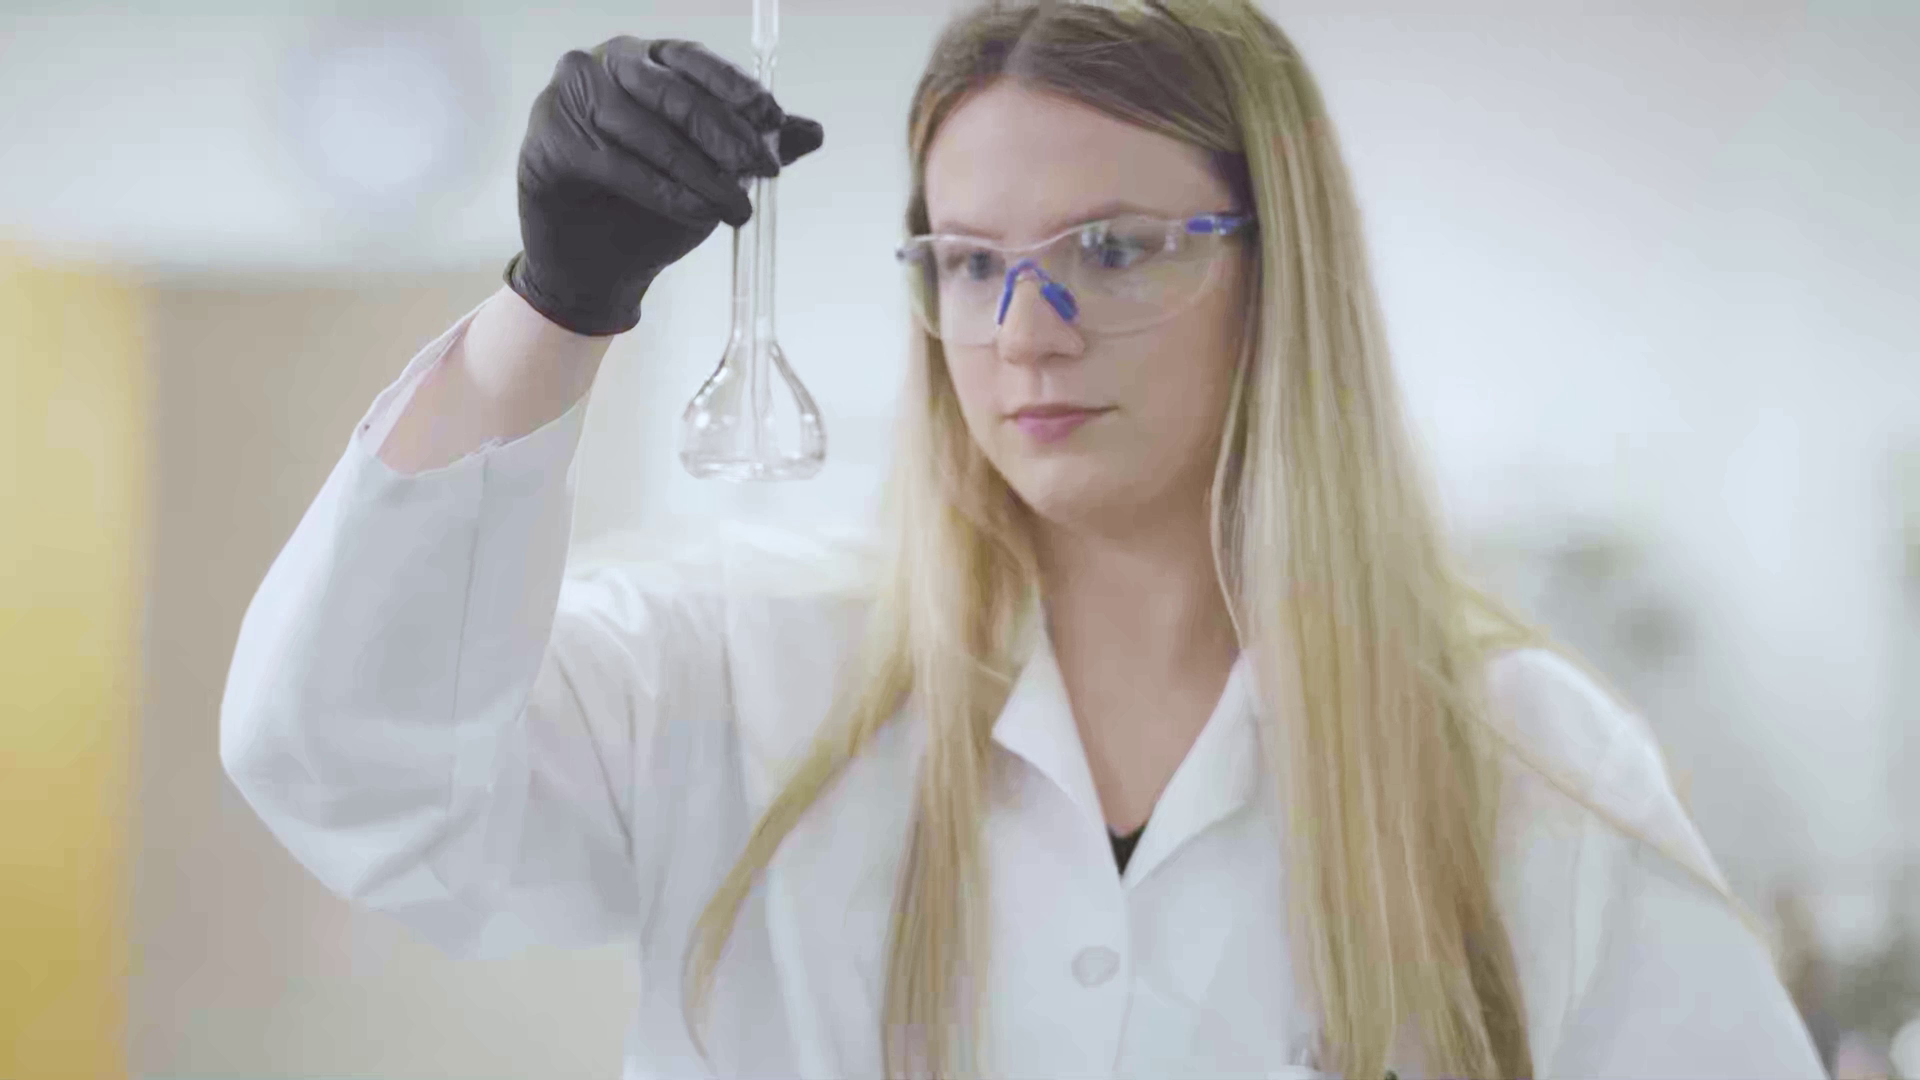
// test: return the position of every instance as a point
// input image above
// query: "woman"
(1157, 557)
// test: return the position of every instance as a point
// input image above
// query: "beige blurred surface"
(244, 966)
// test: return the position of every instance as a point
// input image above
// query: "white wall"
(1654, 264)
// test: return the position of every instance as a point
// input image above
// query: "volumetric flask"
(752, 419)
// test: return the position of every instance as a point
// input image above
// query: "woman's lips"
(1052, 425)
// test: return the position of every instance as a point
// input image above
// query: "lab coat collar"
(1218, 775)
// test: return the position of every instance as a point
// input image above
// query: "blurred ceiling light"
(385, 115)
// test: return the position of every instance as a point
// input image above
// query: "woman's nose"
(1033, 328)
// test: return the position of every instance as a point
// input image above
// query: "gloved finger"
(799, 137)
(722, 79)
(717, 128)
(650, 138)
(613, 169)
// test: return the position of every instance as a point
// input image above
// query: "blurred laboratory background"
(1650, 270)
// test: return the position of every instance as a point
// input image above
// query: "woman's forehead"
(1013, 164)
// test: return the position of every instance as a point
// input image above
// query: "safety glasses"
(1117, 276)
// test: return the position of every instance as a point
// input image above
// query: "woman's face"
(1015, 167)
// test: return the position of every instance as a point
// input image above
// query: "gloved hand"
(634, 153)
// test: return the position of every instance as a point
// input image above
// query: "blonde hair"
(1365, 640)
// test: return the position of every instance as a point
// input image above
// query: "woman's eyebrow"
(1099, 212)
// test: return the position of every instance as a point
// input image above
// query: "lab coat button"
(1096, 965)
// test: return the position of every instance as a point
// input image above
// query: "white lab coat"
(442, 724)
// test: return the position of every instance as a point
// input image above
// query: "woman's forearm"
(510, 373)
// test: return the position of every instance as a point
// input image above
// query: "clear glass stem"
(753, 308)
(753, 251)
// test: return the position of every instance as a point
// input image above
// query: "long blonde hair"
(1365, 642)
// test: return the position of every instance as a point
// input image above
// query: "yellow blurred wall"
(73, 514)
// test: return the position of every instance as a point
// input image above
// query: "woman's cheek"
(976, 405)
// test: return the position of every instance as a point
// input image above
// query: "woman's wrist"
(511, 372)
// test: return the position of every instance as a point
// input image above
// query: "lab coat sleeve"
(1670, 982)
(1682, 988)
(439, 724)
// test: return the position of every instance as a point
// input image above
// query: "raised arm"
(422, 706)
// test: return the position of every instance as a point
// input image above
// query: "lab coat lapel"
(1217, 777)
(1037, 724)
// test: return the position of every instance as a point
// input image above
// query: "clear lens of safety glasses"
(1111, 277)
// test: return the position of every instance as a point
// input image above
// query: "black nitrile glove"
(634, 153)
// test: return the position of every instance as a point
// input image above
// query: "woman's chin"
(1069, 492)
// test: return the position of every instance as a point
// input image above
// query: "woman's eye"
(1114, 253)
(973, 265)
